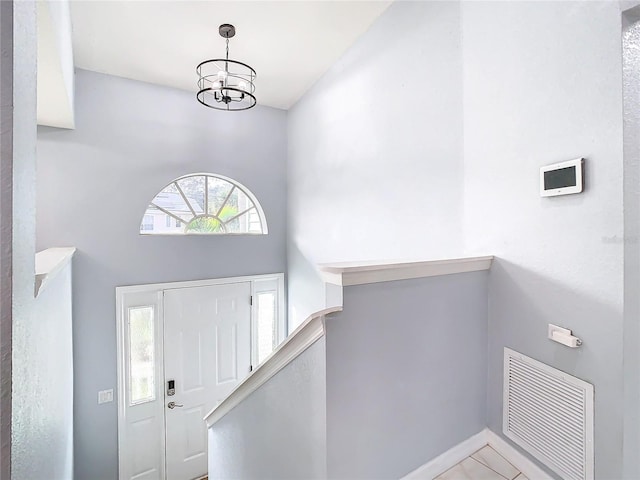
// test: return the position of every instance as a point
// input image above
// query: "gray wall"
(279, 432)
(406, 373)
(39, 441)
(49, 387)
(36, 405)
(6, 231)
(94, 184)
(542, 84)
(631, 45)
(501, 88)
(375, 150)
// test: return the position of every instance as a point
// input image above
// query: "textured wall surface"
(45, 420)
(279, 432)
(6, 231)
(631, 45)
(39, 441)
(522, 85)
(95, 183)
(422, 143)
(375, 150)
(406, 373)
(537, 92)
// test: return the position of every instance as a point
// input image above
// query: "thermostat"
(562, 178)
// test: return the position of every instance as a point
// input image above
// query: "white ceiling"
(289, 43)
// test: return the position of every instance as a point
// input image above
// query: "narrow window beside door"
(267, 325)
(141, 356)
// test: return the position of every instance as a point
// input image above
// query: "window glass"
(205, 225)
(193, 188)
(141, 356)
(174, 202)
(253, 221)
(267, 333)
(147, 223)
(218, 192)
(204, 204)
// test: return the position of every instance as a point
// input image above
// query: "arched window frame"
(223, 222)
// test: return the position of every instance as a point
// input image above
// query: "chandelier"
(226, 84)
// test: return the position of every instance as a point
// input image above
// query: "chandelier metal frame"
(225, 84)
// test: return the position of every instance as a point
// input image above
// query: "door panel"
(207, 341)
(141, 400)
(226, 345)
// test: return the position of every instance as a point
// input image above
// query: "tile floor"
(485, 464)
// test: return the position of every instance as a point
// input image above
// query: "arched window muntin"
(224, 214)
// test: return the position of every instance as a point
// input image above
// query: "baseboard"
(455, 455)
(448, 459)
(517, 459)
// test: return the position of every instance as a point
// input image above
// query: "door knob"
(173, 405)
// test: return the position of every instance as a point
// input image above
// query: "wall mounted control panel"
(562, 178)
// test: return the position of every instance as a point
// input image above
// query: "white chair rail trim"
(347, 274)
(310, 331)
(49, 263)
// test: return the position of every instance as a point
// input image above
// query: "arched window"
(203, 203)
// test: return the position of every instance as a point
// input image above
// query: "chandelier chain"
(226, 64)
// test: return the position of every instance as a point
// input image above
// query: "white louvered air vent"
(549, 414)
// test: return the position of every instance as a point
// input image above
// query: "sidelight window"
(141, 356)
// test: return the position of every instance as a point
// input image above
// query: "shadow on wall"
(306, 289)
(521, 305)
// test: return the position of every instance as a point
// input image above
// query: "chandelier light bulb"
(222, 76)
(242, 86)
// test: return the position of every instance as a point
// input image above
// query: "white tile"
(492, 459)
(470, 469)
(521, 477)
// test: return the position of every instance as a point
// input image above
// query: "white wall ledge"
(310, 331)
(49, 263)
(360, 273)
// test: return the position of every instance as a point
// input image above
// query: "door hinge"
(250, 299)
(250, 368)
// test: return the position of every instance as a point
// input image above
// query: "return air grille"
(549, 414)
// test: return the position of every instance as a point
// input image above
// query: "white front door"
(200, 335)
(207, 350)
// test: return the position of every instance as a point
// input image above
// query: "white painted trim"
(49, 263)
(310, 331)
(196, 283)
(346, 274)
(455, 455)
(142, 299)
(157, 291)
(281, 323)
(517, 459)
(448, 459)
(235, 183)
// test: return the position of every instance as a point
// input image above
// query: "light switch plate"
(105, 396)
